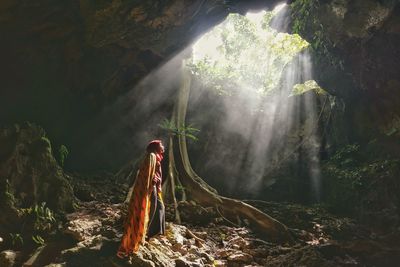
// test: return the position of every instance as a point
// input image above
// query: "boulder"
(29, 173)
(8, 258)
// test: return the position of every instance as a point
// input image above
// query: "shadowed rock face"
(29, 174)
(28, 164)
(64, 62)
(365, 37)
(98, 49)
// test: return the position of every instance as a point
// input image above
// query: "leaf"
(38, 239)
(191, 136)
(182, 130)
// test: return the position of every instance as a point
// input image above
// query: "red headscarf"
(153, 147)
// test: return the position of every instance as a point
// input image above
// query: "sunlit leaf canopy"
(245, 53)
(309, 85)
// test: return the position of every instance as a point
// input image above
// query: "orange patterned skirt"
(136, 223)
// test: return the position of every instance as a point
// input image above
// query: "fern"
(42, 217)
(16, 238)
(188, 131)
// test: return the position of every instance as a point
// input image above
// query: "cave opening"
(256, 104)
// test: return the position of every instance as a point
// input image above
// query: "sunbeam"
(255, 70)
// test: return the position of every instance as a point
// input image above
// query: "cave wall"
(359, 61)
(65, 64)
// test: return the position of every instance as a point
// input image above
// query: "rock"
(160, 256)
(304, 256)
(176, 233)
(93, 218)
(207, 257)
(240, 257)
(330, 250)
(182, 263)
(177, 247)
(35, 257)
(31, 170)
(83, 228)
(202, 235)
(239, 242)
(257, 252)
(220, 263)
(8, 258)
(194, 250)
(99, 252)
(224, 253)
(84, 194)
(224, 246)
(137, 260)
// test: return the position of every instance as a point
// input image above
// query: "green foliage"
(299, 89)
(38, 240)
(75, 205)
(16, 239)
(351, 173)
(37, 221)
(345, 177)
(304, 19)
(173, 129)
(391, 131)
(62, 154)
(9, 196)
(222, 236)
(34, 222)
(302, 11)
(216, 77)
(42, 217)
(179, 189)
(249, 55)
(345, 153)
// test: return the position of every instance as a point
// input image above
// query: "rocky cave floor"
(90, 236)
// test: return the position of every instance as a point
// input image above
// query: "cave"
(282, 135)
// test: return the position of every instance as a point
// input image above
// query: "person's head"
(155, 146)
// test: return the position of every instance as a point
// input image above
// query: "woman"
(146, 212)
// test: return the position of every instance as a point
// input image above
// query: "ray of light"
(270, 122)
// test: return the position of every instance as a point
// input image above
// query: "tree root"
(198, 240)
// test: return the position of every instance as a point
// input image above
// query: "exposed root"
(223, 217)
(198, 240)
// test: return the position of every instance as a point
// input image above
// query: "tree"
(249, 55)
(181, 172)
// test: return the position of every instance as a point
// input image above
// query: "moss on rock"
(29, 174)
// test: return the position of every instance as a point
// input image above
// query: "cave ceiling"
(62, 62)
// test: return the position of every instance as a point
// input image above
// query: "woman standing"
(146, 211)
